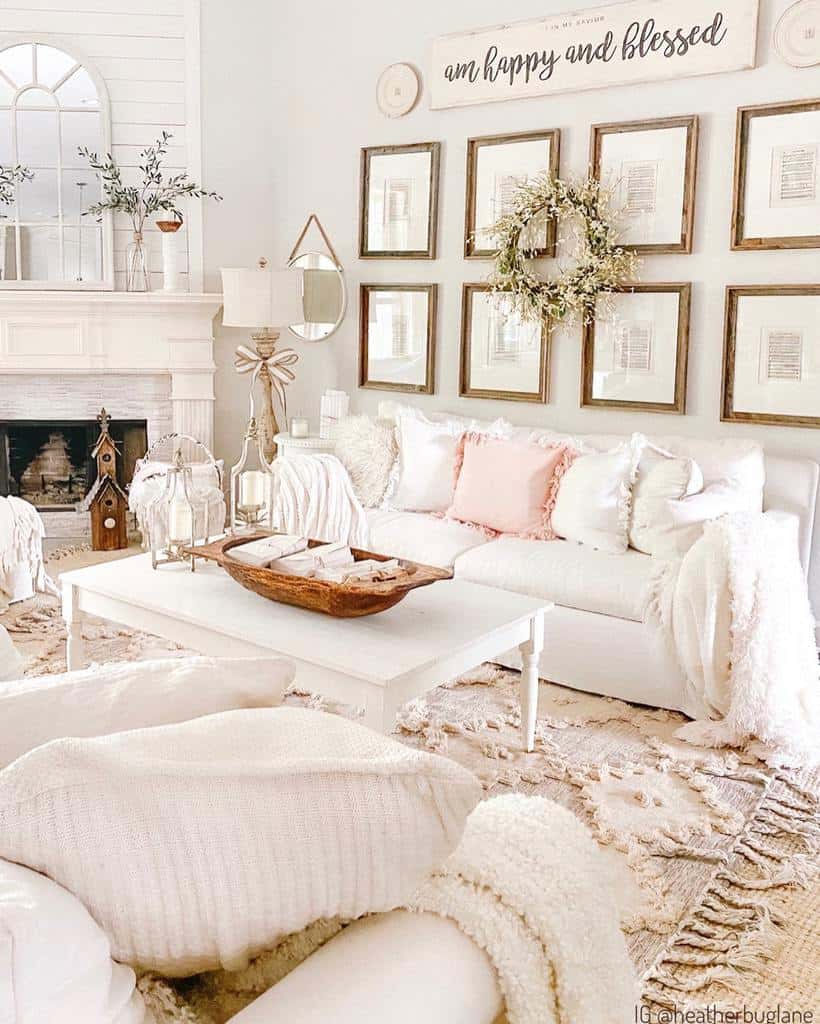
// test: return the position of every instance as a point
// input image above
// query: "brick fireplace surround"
(63, 355)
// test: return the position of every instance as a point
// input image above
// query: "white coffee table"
(378, 661)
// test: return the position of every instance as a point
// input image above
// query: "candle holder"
(251, 485)
(175, 517)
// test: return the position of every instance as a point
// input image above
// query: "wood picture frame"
(740, 241)
(427, 251)
(366, 378)
(677, 405)
(467, 387)
(472, 251)
(786, 366)
(600, 132)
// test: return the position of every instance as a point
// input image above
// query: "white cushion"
(55, 961)
(11, 663)
(367, 449)
(661, 476)
(425, 478)
(571, 575)
(131, 695)
(593, 503)
(735, 463)
(421, 537)
(198, 845)
(677, 525)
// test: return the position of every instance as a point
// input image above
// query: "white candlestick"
(170, 263)
(180, 522)
(252, 489)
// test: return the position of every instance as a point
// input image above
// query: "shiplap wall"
(147, 51)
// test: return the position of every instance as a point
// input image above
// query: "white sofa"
(596, 639)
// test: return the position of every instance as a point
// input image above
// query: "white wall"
(139, 47)
(326, 65)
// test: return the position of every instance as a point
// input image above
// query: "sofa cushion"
(572, 575)
(420, 537)
(197, 845)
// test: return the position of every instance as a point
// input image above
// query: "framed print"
(776, 201)
(652, 166)
(502, 356)
(397, 337)
(398, 209)
(635, 355)
(771, 355)
(496, 166)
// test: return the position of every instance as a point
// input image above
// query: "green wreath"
(601, 265)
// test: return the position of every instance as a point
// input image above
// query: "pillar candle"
(252, 489)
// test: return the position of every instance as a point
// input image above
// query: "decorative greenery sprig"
(600, 264)
(155, 193)
(10, 178)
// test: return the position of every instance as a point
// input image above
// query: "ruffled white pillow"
(367, 449)
(424, 475)
(662, 478)
(595, 497)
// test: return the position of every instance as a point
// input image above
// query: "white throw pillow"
(132, 695)
(594, 499)
(425, 471)
(677, 525)
(55, 961)
(661, 476)
(11, 664)
(367, 449)
(731, 462)
(197, 845)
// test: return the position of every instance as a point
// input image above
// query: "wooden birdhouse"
(107, 501)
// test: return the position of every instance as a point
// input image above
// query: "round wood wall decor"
(398, 90)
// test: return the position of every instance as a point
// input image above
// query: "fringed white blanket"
(21, 550)
(313, 497)
(529, 885)
(736, 612)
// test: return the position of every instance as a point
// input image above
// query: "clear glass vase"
(136, 266)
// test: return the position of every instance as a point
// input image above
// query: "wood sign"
(621, 44)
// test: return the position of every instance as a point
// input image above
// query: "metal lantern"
(178, 518)
(252, 485)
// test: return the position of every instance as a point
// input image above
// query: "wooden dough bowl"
(341, 600)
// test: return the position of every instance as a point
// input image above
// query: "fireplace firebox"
(48, 462)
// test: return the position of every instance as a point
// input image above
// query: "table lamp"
(266, 301)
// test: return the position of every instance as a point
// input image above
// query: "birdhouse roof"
(100, 485)
(104, 438)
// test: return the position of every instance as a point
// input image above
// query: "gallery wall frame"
(412, 371)
(777, 177)
(637, 355)
(771, 355)
(493, 144)
(642, 183)
(480, 366)
(387, 212)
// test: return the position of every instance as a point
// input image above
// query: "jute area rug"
(713, 856)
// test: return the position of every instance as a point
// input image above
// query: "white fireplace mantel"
(116, 334)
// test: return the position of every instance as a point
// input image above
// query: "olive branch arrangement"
(10, 178)
(154, 193)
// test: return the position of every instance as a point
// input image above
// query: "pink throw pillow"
(508, 486)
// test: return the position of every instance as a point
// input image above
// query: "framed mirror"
(325, 294)
(397, 337)
(51, 103)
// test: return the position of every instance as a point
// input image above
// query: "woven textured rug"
(715, 855)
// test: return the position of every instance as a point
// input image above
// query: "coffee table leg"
(75, 645)
(530, 655)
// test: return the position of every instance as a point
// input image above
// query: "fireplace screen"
(48, 462)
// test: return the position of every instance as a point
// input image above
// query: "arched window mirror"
(50, 104)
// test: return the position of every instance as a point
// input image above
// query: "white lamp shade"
(262, 298)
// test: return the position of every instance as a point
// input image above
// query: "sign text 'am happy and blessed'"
(624, 43)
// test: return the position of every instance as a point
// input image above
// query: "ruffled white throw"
(736, 612)
(21, 548)
(313, 497)
(529, 885)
